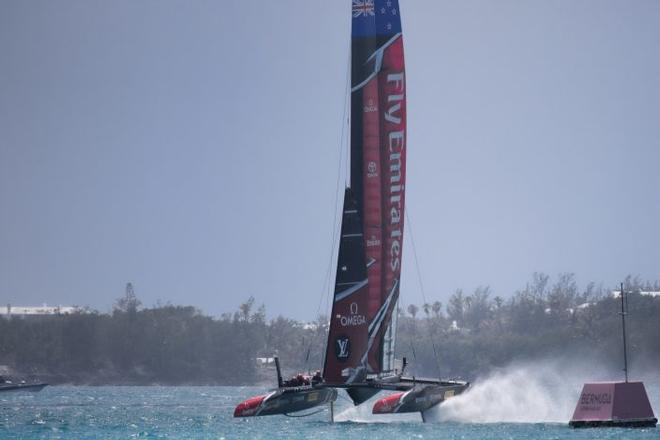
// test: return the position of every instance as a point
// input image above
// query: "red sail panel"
(393, 160)
(392, 129)
(372, 211)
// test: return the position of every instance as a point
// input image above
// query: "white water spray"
(532, 392)
(542, 391)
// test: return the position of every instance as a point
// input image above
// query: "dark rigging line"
(343, 141)
(421, 285)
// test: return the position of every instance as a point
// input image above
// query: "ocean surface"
(72, 412)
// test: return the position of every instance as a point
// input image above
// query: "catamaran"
(359, 354)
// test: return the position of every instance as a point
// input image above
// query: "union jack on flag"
(363, 7)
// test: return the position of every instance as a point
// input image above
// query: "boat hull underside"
(419, 398)
(285, 401)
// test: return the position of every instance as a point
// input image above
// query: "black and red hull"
(285, 401)
(420, 397)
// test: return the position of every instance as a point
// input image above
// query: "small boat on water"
(8, 385)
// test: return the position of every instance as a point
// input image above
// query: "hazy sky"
(192, 148)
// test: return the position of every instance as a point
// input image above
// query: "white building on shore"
(23, 311)
(655, 294)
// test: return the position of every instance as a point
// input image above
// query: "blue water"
(206, 412)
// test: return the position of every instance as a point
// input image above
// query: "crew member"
(317, 379)
(302, 380)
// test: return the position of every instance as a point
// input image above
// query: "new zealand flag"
(376, 17)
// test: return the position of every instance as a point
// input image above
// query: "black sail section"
(348, 338)
(351, 264)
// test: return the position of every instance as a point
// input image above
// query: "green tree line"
(468, 336)
(480, 331)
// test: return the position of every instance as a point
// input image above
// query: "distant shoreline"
(54, 380)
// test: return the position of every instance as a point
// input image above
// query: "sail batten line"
(349, 283)
(348, 292)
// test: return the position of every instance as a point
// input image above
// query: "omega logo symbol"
(370, 107)
(373, 241)
(372, 169)
(354, 319)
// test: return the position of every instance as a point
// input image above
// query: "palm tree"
(437, 308)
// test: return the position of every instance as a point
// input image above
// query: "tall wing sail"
(378, 157)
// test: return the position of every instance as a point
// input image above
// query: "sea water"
(76, 412)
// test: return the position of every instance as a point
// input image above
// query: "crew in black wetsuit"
(317, 379)
(297, 381)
